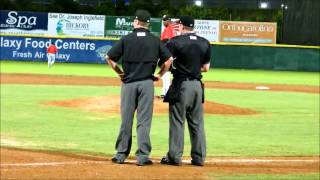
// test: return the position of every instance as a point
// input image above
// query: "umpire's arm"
(115, 67)
(113, 56)
(206, 60)
(205, 67)
(165, 67)
(164, 55)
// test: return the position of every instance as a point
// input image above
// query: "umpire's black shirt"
(191, 52)
(140, 51)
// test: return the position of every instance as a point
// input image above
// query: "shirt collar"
(141, 30)
(189, 33)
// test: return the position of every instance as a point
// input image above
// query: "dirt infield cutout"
(111, 104)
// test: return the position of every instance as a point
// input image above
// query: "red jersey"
(52, 49)
(167, 33)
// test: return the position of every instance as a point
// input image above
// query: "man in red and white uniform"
(168, 31)
(51, 54)
(167, 34)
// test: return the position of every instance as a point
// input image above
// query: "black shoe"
(144, 163)
(165, 160)
(117, 161)
(197, 163)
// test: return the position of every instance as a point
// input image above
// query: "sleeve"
(116, 52)
(162, 37)
(167, 33)
(171, 47)
(164, 54)
(207, 56)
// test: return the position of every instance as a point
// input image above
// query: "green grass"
(285, 127)
(224, 75)
(263, 76)
(284, 124)
(75, 69)
(288, 123)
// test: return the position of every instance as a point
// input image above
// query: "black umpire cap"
(143, 16)
(187, 21)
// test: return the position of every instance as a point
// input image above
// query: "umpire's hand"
(155, 77)
(121, 76)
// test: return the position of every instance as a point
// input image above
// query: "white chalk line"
(50, 163)
(214, 161)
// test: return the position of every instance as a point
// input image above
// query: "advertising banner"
(19, 22)
(208, 29)
(248, 32)
(69, 49)
(60, 24)
(118, 26)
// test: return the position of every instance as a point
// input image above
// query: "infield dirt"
(22, 164)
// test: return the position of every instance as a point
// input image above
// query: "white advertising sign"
(60, 24)
(208, 29)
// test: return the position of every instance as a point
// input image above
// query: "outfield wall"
(270, 57)
(224, 55)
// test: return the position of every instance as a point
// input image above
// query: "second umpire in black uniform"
(139, 51)
(186, 94)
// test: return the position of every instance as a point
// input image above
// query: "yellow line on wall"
(266, 45)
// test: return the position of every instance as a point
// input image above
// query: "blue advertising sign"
(18, 22)
(69, 49)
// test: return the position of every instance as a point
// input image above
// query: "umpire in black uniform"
(186, 94)
(139, 51)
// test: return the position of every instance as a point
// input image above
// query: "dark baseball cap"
(166, 18)
(187, 21)
(143, 16)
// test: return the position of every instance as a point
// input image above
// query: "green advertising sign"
(118, 26)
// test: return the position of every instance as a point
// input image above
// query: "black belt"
(190, 79)
(185, 79)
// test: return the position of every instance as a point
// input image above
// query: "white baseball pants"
(51, 59)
